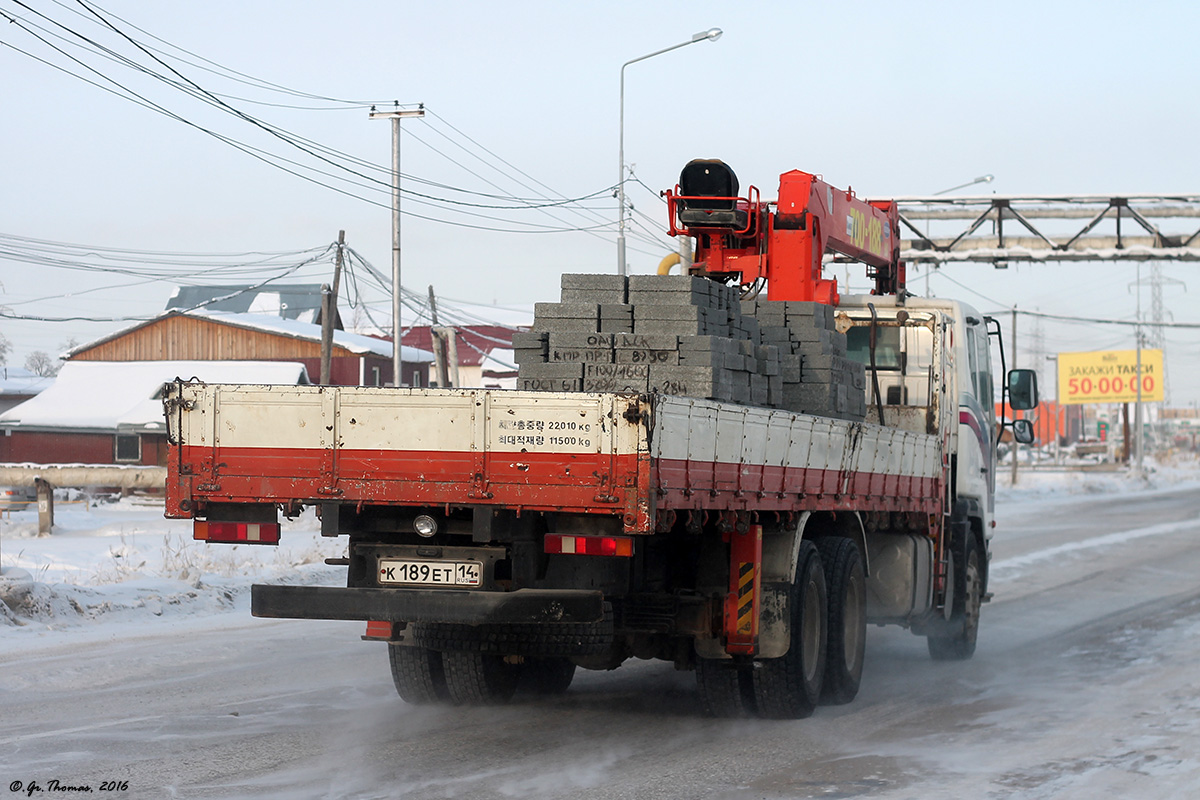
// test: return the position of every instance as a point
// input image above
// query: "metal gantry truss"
(1000, 229)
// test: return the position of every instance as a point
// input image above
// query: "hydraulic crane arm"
(744, 239)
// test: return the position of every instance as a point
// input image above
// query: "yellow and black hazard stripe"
(745, 598)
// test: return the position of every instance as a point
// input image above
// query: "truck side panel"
(709, 455)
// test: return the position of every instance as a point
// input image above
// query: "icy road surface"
(1085, 683)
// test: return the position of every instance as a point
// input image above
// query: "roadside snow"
(124, 564)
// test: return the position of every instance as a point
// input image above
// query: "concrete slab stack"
(817, 377)
(687, 335)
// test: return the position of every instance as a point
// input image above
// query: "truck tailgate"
(535, 450)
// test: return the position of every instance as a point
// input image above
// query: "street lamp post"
(395, 116)
(981, 179)
(711, 35)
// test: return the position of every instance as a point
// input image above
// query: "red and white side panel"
(770, 459)
(535, 450)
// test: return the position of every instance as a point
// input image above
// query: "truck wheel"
(846, 585)
(479, 678)
(547, 675)
(418, 674)
(957, 641)
(790, 687)
(724, 689)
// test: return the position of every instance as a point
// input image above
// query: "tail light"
(236, 532)
(379, 629)
(589, 545)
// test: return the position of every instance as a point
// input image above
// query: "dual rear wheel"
(826, 604)
(424, 676)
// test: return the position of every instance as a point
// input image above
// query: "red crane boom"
(743, 239)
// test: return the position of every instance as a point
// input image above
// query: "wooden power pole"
(329, 312)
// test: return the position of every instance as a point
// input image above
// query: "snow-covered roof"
(499, 359)
(353, 342)
(123, 395)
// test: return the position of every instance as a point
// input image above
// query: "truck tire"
(790, 687)
(845, 583)
(477, 679)
(544, 640)
(724, 689)
(547, 676)
(418, 674)
(956, 640)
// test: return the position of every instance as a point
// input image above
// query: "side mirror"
(1022, 390)
(1022, 431)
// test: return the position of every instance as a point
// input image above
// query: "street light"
(395, 116)
(710, 35)
(981, 179)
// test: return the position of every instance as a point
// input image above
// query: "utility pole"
(395, 116)
(438, 340)
(1016, 446)
(329, 312)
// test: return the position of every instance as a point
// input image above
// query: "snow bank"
(1049, 483)
(124, 563)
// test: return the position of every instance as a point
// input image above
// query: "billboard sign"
(1109, 376)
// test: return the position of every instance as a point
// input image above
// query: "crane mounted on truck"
(500, 534)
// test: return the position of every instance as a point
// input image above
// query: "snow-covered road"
(151, 671)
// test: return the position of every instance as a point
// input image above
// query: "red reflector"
(589, 545)
(237, 532)
(379, 629)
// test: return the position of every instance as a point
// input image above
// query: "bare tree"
(40, 363)
(5, 349)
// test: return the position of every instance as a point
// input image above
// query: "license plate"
(431, 573)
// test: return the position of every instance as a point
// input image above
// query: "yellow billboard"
(1109, 376)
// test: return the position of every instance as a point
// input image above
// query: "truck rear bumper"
(427, 605)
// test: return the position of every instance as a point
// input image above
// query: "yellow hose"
(664, 266)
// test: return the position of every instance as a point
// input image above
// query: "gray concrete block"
(632, 372)
(614, 385)
(678, 327)
(579, 355)
(645, 341)
(588, 339)
(522, 340)
(566, 310)
(722, 344)
(709, 359)
(529, 356)
(554, 371)
(554, 325)
(594, 281)
(650, 311)
(574, 296)
(690, 382)
(758, 390)
(550, 384)
(669, 283)
(616, 325)
(646, 356)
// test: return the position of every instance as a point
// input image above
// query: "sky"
(522, 102)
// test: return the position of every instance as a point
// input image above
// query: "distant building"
(227, 336)
(97, 412)
(485, 355)
(18, 385)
